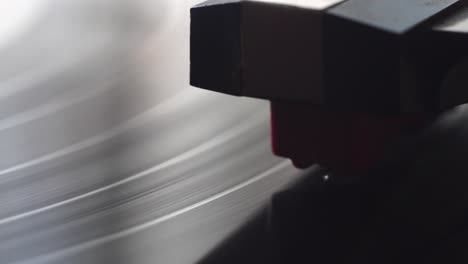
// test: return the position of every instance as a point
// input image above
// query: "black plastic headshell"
(383, 56)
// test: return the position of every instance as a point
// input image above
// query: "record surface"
(108, 156)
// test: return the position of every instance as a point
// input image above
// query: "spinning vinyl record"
(108, 156)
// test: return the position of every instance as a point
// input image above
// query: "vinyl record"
(108, 156)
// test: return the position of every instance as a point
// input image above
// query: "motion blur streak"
(171, 162)
(177, 100)
(139, 228)
(108, 156)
